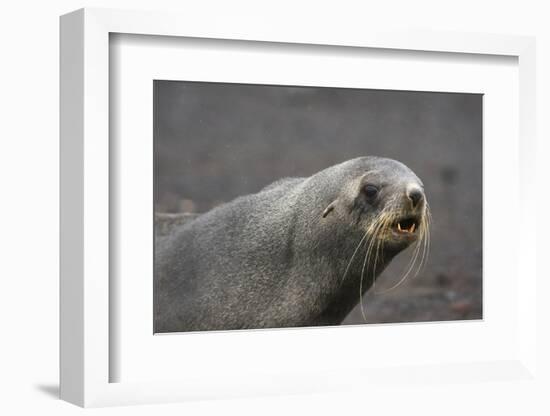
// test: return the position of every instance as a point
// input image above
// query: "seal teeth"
(405, 229)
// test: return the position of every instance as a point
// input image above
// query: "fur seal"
(301, 252)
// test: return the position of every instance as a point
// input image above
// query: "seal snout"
(415, 195)
(409, 223)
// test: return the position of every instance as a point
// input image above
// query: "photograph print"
(295, 206)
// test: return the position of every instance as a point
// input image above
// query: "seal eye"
(371, 191)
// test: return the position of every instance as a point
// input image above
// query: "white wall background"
(29, 207)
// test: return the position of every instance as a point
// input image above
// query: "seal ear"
(329, 209)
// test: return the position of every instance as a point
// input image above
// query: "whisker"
(425, 237)
(410, 268)
(353, 256)
(374, 238)
(388, 221)
(422, 242)
(382, 221)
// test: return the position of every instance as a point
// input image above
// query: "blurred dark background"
(216, 141)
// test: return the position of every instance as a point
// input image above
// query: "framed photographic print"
(262, 211)
(277, 193)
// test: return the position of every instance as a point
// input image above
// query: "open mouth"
(406, 226)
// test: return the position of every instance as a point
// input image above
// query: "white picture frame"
(86, 356)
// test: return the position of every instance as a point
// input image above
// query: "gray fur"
(271, 259)
(167, 224)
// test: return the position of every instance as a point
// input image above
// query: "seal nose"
(415, 195)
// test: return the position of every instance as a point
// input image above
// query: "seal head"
(383, 198)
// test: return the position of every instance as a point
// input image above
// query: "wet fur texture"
(271, 259)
